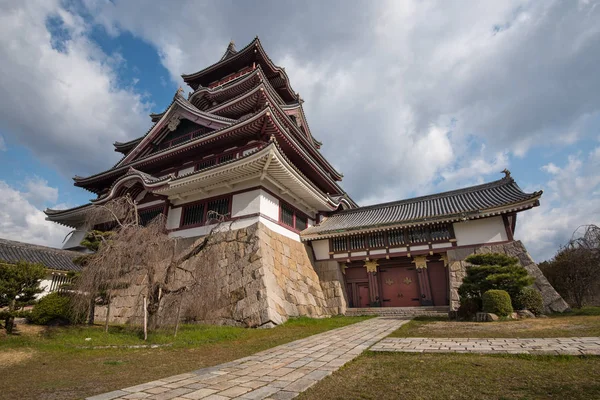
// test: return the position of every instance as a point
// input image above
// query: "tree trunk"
(92, 311)
(107, 314)
(9, 323)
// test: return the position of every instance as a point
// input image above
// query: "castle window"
(291, 217)
(376, 239)
(287, 215)
(192, 214)
(339, 244)
(205, 211)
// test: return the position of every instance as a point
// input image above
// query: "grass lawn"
(584, 322)
(384, 376)
(51, 363)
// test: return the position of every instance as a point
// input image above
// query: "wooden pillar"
(373, 282)
(424, 286)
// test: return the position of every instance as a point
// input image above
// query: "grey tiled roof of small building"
(426, 209)
(61, 260)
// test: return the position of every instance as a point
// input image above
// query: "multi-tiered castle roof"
(241, 122)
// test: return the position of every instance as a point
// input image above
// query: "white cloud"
(22, 220)
(38, 193)
(571, 199)
(2, 144)
(59, 93)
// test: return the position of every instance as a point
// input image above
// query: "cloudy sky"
(408, 97)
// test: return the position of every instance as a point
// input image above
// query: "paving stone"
(136, 395)
(171, 394)
(293, 366)
(144, 386)
(199, 394)
(260, 393)
(283, 395)
(234, 391)
(300, 385)
(109, 396)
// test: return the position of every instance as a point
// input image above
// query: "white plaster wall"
(269, 205)
(205, 230)
(321, 249)
(45, 284)
(280, 229)
(480, 231)
(74, 240)
(173, 218)
(245, 203)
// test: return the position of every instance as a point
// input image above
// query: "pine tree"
(493, 271)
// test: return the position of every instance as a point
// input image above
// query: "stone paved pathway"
(569, 346)
(278, 373)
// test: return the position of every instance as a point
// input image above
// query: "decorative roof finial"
(506, 173)
(180, 91)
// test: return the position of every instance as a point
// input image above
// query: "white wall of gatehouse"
(480, 231)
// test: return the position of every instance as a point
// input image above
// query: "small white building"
(57, 262)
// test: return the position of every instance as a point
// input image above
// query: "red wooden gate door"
(438, 282)
(363, 295)
(399, 287)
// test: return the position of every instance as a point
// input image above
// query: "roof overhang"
(266, 165)
(179, 108)
(462, 217)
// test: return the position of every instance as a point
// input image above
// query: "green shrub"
(468, 308)
(493, 271)
(54, 308)
(529, 299)
(497, 302)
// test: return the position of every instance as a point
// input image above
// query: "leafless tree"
(166, 270)
(575, 270)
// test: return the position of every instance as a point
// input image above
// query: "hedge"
(497, 302)
(529, 299)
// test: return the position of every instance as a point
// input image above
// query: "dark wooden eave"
(263, 121)
(253, 52)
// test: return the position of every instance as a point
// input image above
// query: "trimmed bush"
(497, 302)
(468, 308)
(53, 309)
(529, 299)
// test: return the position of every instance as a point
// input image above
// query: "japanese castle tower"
(240, 145)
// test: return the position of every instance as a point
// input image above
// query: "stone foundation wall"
(332, 281)
(251, 277)
(553, 302)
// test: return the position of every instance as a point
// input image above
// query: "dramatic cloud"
(21, 218)
(60, 94)
(409, 97)
(572, 199)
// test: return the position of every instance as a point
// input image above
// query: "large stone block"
(553, 302)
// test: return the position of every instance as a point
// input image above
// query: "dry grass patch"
(10, 358)
(565, 326)
(53, 365)
(391, 376)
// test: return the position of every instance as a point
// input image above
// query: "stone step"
(399, 311)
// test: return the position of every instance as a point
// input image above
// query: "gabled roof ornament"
(506, 173)
(179, 91)
(174, 122)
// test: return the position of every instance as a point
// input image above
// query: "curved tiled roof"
(61, 260)
(471, 202)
